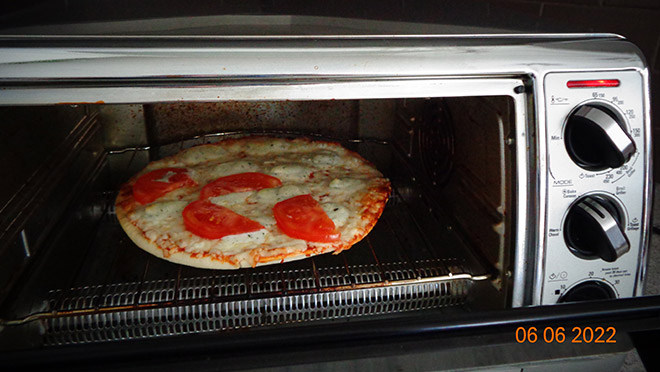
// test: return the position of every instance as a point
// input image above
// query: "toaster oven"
(520, 169)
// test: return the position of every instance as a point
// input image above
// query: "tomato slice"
(212, 221)
(153, 185)
(240, 182)
(302, 217)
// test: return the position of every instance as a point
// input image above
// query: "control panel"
(596, 177)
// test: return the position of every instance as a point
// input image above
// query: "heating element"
(120, 292)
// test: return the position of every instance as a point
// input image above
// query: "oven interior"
(69, 274)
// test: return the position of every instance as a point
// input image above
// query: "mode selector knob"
(594, 229)
(596, 137)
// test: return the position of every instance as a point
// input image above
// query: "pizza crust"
(368, 207)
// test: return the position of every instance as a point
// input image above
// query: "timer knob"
(590, 290)
(596, 138)
(594, 229)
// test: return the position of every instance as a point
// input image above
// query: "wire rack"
(410, 261)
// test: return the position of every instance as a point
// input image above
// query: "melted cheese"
(291, 172)
(161, 221)
(233, 244)
(214, 171)
(231, 200)
(337, 213)
(201, 154)
(325, 158)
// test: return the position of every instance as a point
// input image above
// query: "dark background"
(637, 20)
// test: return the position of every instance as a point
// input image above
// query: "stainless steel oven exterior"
(533, 70)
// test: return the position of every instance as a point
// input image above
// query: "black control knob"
(594, 229)
(588, 291)
(596, 138)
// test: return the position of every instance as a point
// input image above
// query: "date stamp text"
(575, 335)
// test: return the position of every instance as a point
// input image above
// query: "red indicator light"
(593, 83)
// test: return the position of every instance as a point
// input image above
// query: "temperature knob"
(594, 229)
(596, 138)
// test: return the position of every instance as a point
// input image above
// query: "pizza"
(251, 201)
